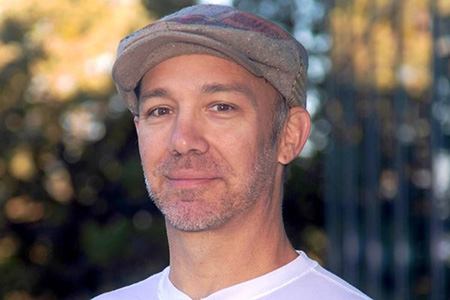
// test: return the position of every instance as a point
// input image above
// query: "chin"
(195, 216)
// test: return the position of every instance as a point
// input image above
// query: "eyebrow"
(230, 88)
(159, 92)
(206, 89)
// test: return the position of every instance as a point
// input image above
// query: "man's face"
(204, 131)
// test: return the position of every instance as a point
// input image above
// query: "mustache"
(191, 161)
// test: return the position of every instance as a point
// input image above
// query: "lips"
(190, 183)
(190, 179)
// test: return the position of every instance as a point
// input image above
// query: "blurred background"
(369, 197)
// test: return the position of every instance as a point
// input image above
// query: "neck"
(249, 246)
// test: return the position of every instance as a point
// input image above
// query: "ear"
(136, 124)
(294, 134)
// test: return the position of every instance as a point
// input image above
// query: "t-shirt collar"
(252, 289)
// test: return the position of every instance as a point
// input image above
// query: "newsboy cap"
(260, 46)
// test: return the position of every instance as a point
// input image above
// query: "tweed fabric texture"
(263, 48)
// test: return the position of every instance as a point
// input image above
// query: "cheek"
(151, 146)
(238, 147)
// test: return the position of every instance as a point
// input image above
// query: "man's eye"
(222, 107)
(160, 111)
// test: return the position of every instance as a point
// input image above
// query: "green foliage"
(103, 244)
(165, 7)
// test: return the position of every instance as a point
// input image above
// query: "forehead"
(195, 70)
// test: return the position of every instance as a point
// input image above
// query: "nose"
(188, 135)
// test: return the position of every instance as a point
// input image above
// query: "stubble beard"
(212, 210)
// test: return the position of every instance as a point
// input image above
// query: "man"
(219, 102)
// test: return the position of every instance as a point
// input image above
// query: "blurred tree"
(380, 168)
(71, 198)
(163, 8)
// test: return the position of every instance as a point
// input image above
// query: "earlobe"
(294, 135)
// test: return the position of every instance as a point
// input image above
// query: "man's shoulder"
(134, 291)
(330, 283)
(318, 283)
(305, 279)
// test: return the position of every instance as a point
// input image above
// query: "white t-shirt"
(301, 279)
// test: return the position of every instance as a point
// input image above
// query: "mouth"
(185, 182)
